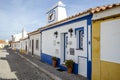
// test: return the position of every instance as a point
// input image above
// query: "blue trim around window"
(79, 47)
(53, 11)
(80, 28)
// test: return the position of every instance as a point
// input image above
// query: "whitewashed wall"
(35, 37)
(110, 41)
(21, 44)
(18, 45)
(50, 46)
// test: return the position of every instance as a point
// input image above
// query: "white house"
(66, 39)
(24, 45)
(34, 42)
(16, 45)
(16, 40)
(85, 38)
(3, 43)
(106, 42)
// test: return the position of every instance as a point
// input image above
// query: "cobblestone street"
(13, 67)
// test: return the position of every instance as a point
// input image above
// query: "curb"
(43, 70)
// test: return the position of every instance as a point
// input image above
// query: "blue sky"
(31, 14)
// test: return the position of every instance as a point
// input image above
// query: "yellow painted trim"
(110, 71)
(100, 70)
(23, 51)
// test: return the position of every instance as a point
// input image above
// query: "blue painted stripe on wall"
(75, 69)
(48, 59)
(69, 22)
(89, 66)
(89, 70)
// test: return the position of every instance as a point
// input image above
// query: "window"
(37, 44)
(80, 35)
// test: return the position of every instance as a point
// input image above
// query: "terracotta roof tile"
(2, 41)
(103, 8)
(90, 10)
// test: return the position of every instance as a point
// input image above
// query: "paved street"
(13, 67)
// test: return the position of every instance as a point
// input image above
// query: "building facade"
(3, 43)
(69, 39)
(105, 43)
(18, 40)
(34, 43)
(90, 38)
(24, 45)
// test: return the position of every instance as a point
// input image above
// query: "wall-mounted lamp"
(70, 31)
(56, 33)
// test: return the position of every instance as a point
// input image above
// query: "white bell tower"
(56, 13)
(23, 33)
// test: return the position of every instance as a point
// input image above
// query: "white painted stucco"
(59, 12)
(53, 46)
(110, 41)
(24, 45)
(34, 37)
(17, 45)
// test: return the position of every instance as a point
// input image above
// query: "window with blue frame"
(79, 36)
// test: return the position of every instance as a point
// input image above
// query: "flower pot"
(54, 63)
(69, 70)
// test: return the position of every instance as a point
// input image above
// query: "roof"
(34, 32)
(23, 39)
(103, 8)
(90, 11)
(2, 42)
(15, 42)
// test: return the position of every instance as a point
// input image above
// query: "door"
(65, 45)
(26, 48)
(83, 66)
(32, 47)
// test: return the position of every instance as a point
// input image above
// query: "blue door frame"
(65, 45)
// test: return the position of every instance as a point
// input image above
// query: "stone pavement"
(14, 67)
(5, 70)
(61, 75)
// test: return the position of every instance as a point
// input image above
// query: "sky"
(31, 14)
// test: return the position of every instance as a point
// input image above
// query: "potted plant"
(54, 61)
(69, 64)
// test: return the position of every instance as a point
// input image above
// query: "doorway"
(65, 46)
(32, 47)
(82, 61)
